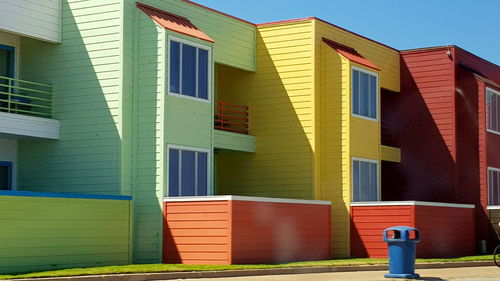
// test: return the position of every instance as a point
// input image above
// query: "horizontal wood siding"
(385, 58)
(148, 137)
(85, 72)
(280, 98)
(426, 128)
(495, 220)
(234, 39)
(334, 153)
(368, 224)
(40, 19)
(197, 232)
(279, 232)
(445, 232)
(53, 233)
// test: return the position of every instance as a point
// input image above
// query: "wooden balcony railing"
(231, 117)
(25, 97)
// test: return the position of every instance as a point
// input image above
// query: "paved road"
(489, 273)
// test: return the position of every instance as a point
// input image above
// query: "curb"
(250, 272)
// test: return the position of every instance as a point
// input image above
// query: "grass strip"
(159, 268)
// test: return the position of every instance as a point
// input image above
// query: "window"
(364, 94)
(189, 69)
(493, 110)
(364, 180)
(493, 187)
(187, 172)
(5, 175)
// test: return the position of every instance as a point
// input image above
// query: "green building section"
(110, 96)
(43, 233)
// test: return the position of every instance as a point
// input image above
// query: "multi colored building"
(147, 104)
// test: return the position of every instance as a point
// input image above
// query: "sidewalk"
(278, 273)
(489, 273)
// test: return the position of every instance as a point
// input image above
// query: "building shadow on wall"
(282, 165)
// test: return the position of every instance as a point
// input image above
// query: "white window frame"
(488, 182)
(210, 190)
(494, 92)
(209, 73)
(379, 196)
(355, 68)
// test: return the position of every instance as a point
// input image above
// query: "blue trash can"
(402, 245)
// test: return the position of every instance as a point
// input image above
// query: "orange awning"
(173, 22)
(350, 53)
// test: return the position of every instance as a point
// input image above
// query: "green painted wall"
(234, 39)
(50, 233)
(86, 73)
(234, 141)
(109, 94)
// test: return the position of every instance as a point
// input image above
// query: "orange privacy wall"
(241, 230)
(446, 230)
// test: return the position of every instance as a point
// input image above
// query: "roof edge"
(218, 12)
(328, 23)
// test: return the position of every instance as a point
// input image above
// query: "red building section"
(447, 230)
(439, 120)
(245, 230)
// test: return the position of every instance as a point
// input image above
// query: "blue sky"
(403, 24)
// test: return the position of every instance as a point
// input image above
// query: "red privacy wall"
(446, 230)
(245, 230)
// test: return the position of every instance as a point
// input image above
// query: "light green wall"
(234, 141)
(109, 95)
(86, 73)
(234, 39)
(39, 233)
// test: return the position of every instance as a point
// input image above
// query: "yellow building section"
(391, 154)
(333, 181)
(280, 96)
(387, 59)
(343, 136)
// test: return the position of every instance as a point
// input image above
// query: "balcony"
(26, 109)
(231, 117)
(25, 97)
(231, 127)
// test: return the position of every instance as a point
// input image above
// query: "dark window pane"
(203, 74)
(188, 170)
(364, 94)
(175, 65)
(202, 174)
(373, 97)
(373, 182)
(493, 112)
(173, 173)
(4, 178)
(188, 70)
(355, 92)
(364, 181)
(355, 181)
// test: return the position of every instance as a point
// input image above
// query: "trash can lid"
(400, 228)
(401, 234)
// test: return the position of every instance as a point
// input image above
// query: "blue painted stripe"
(63, 195)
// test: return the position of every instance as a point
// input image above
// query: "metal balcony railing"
(231, 117)
(25, 97)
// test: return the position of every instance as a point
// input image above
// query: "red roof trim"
(329, 23)
(218, 12)
(350, 53)
(173, 22)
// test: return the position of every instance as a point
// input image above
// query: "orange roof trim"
(173, 22)
(350, 54)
